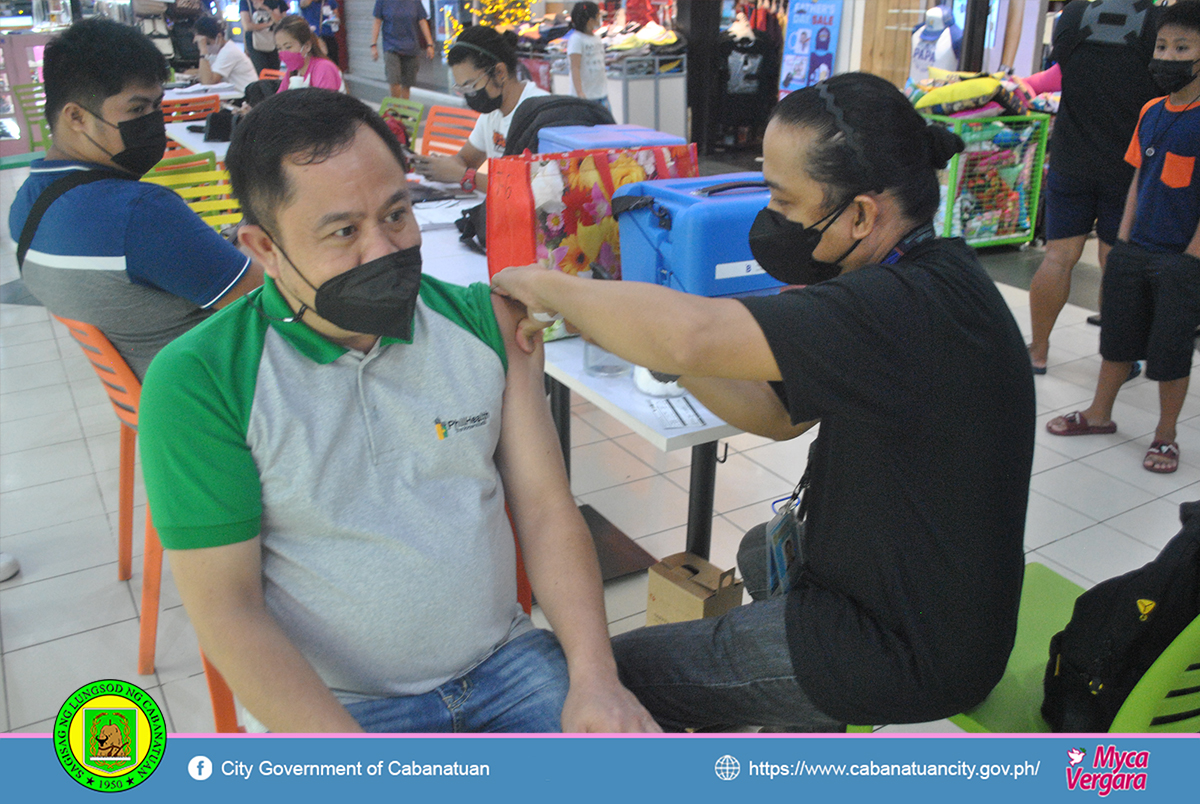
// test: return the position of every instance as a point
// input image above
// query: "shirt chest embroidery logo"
(498, 140)
(444, 428)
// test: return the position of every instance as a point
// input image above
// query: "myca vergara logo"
(110, 735)
(1111, 770)
(445, 428)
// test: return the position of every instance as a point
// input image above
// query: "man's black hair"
(1184, 14)
(582, 14)
(869, 137)
(209, 27)
(485, 47)
(302, 126)
(95, 59)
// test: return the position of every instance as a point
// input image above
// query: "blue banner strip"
(615, 770)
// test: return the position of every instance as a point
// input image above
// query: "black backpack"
(547, 111)
(1118, 629)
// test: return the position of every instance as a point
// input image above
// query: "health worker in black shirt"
(905, 604)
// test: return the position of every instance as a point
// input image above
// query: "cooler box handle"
(731, 185)
(628, 203)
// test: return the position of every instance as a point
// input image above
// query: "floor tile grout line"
(58, 576)
(134, 618)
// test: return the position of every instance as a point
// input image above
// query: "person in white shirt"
(221, 61)
(484, 64)
(585, 52)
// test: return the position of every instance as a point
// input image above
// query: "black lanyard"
(910, 241)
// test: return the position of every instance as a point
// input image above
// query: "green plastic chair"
(186, 163)
(409, 111)
(1167, 698)
(1014, 706)
(31, 98)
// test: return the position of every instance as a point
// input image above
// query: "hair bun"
(943, 145)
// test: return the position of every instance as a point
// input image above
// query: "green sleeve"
(202, 484)
(469, 307)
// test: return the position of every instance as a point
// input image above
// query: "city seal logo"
(110, 735)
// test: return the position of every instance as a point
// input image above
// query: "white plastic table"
(194, 140)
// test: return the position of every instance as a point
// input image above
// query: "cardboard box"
(686, 587)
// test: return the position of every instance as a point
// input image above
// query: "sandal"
(1074, 424)
(1162, 449)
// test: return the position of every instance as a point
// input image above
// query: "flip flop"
(1162, 449)
(1039, 370)
(1074, 424)
(1094, 320)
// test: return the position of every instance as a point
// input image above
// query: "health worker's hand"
(519, 283)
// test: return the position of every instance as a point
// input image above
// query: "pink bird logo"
(1076, 755)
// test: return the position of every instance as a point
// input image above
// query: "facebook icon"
(200, 768)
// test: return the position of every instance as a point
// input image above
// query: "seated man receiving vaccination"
(329, 462)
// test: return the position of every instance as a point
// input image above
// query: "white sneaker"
(8, 566)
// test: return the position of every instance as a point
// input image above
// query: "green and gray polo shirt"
(387, 554)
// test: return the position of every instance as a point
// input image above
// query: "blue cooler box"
(693, 234)
(561, 139)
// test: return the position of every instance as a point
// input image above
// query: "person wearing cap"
(902, 604)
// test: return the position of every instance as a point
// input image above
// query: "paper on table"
(207, 89)
(675, 413)
(437, 214)
(441, 214)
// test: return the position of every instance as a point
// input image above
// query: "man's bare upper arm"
(529, 456)
(218, 582)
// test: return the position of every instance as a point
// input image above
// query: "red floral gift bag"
(556, 209)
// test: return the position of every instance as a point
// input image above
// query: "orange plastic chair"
(225, 718)
(188, 109)
(174, 149)
(446, 130)
(267, 74)
(125, 391)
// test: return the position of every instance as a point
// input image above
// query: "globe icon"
(727, 768)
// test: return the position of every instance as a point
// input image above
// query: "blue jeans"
(722, 672)
(519, 688)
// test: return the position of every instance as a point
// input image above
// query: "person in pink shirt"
(300, 54)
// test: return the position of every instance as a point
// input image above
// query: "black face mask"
(480, 101)
(145, 141)
(1171, 76)
(785, 248)
(376, 298)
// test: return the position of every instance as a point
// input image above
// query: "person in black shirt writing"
(905, 352)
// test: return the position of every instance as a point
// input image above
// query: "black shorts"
(1150, 310)
(1075, 204)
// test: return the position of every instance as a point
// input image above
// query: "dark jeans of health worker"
(725, 671)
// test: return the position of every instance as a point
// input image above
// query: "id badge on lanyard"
(785, 537)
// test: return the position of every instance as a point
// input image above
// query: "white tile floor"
(65, 619)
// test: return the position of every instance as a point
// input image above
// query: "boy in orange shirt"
(1151, 291)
